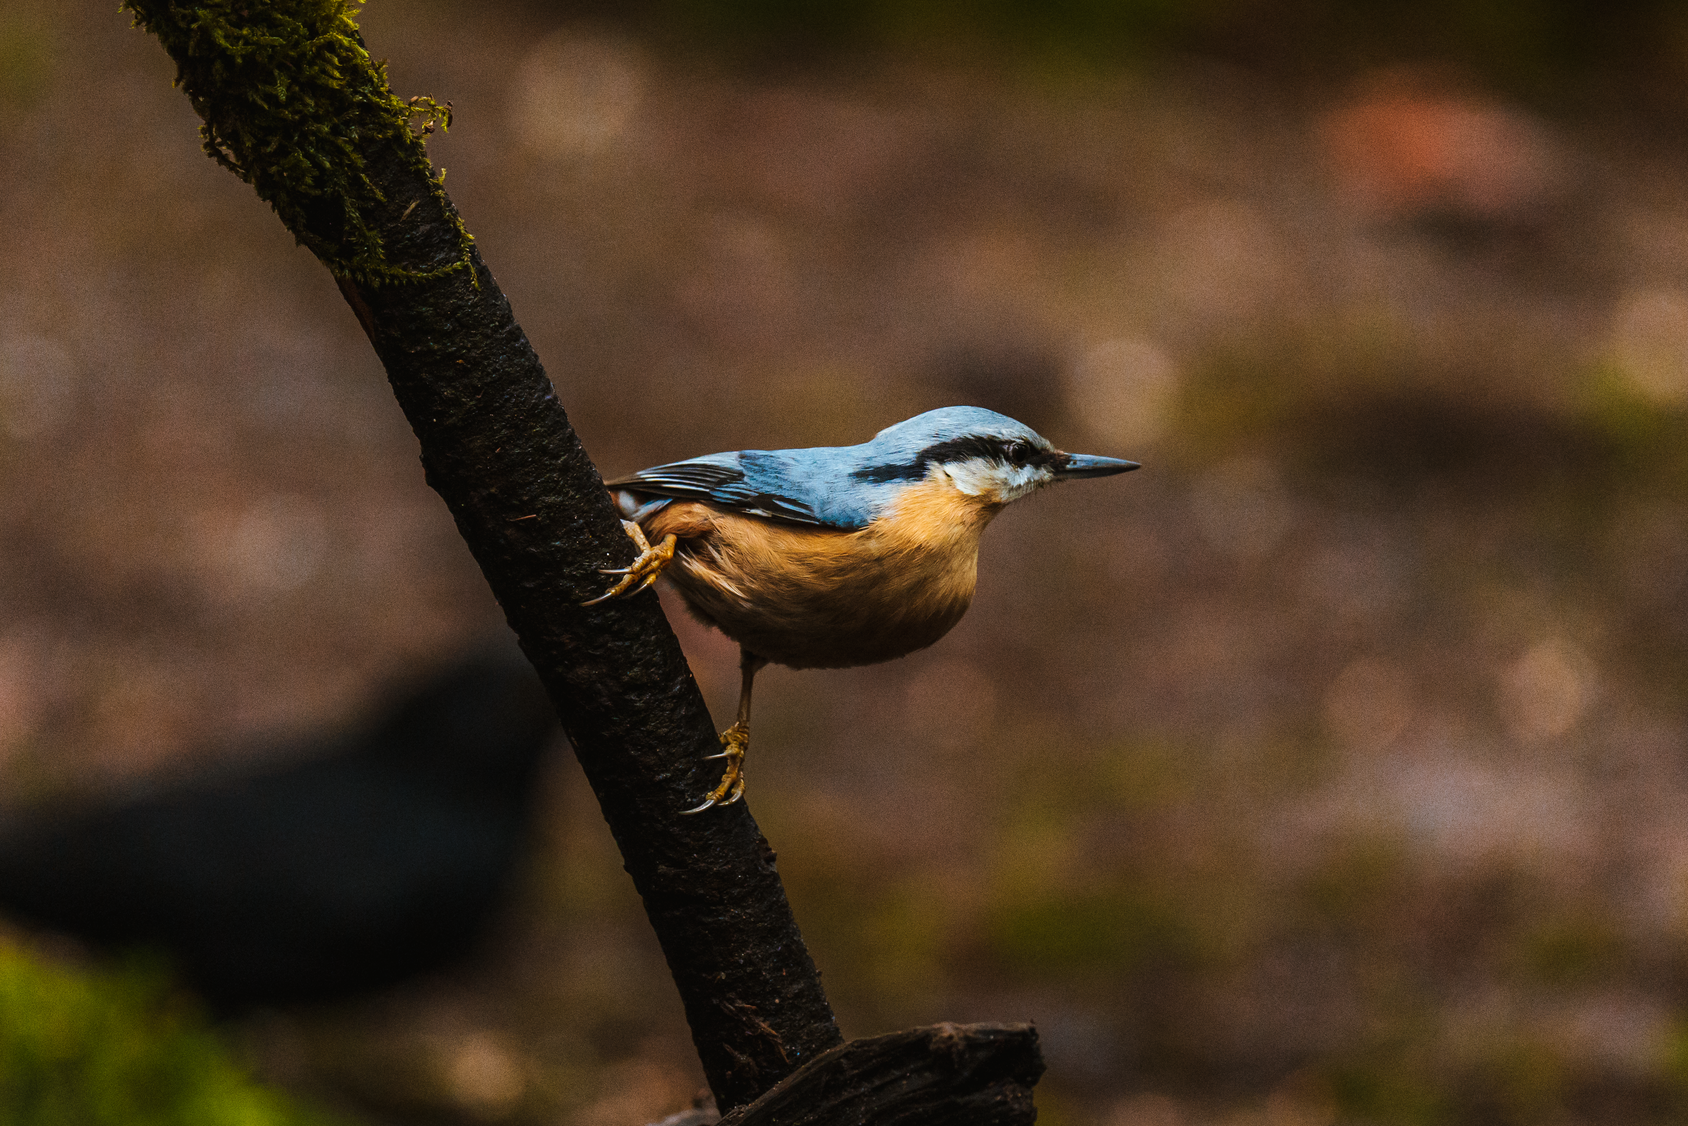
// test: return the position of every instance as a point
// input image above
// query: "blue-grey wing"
(751, 481)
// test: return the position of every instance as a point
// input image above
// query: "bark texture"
(497, 446)
(945, 1075)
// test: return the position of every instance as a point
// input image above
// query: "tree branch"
(293, 103)
(945, 1075)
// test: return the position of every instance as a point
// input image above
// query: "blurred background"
(1330, 769)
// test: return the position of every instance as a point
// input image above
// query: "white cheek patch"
(994, 481)
(1023, 479)
(975, 477)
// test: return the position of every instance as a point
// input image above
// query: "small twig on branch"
(945, 1075)
(293, 103)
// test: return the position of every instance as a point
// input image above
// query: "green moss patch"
(293, 103)
(118, 1049)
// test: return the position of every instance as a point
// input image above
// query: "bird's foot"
(643, 571)
(736, 740)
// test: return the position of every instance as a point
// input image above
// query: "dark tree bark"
(498, 448)
(945, 1075)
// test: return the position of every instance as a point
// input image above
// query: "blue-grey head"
(984, 455)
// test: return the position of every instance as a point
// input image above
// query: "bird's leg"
(644, 570)
(736, 739)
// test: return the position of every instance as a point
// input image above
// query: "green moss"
(293, 104)
(117, 1049)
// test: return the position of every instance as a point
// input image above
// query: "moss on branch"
(292, 102)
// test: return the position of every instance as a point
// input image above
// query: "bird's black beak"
(1089, 465)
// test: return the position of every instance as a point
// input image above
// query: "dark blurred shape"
(381, 855)
(1404, 440)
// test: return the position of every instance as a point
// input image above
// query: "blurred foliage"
(1356, 885)
(1352, 400)
(118, 1049)
(1643, 437)
(1114, 932)
(1533, 46)
(24, 58)
(1573, 951)
(1393, 1083)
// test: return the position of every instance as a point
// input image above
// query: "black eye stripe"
(1051, 458)
(1015, 451)
(961, 449)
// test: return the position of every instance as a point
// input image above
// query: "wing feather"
(722, 479)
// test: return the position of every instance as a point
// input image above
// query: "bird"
(358, 858)
(833, 556)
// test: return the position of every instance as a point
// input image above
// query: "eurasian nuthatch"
(836, 556)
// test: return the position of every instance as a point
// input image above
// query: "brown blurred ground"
(1328, 769)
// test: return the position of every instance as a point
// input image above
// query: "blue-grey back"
(843, 487)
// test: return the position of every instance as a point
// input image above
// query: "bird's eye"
(1019, 451)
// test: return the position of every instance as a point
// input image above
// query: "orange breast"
(820, 598)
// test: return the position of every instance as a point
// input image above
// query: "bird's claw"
(643, 571)
(736, 740)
